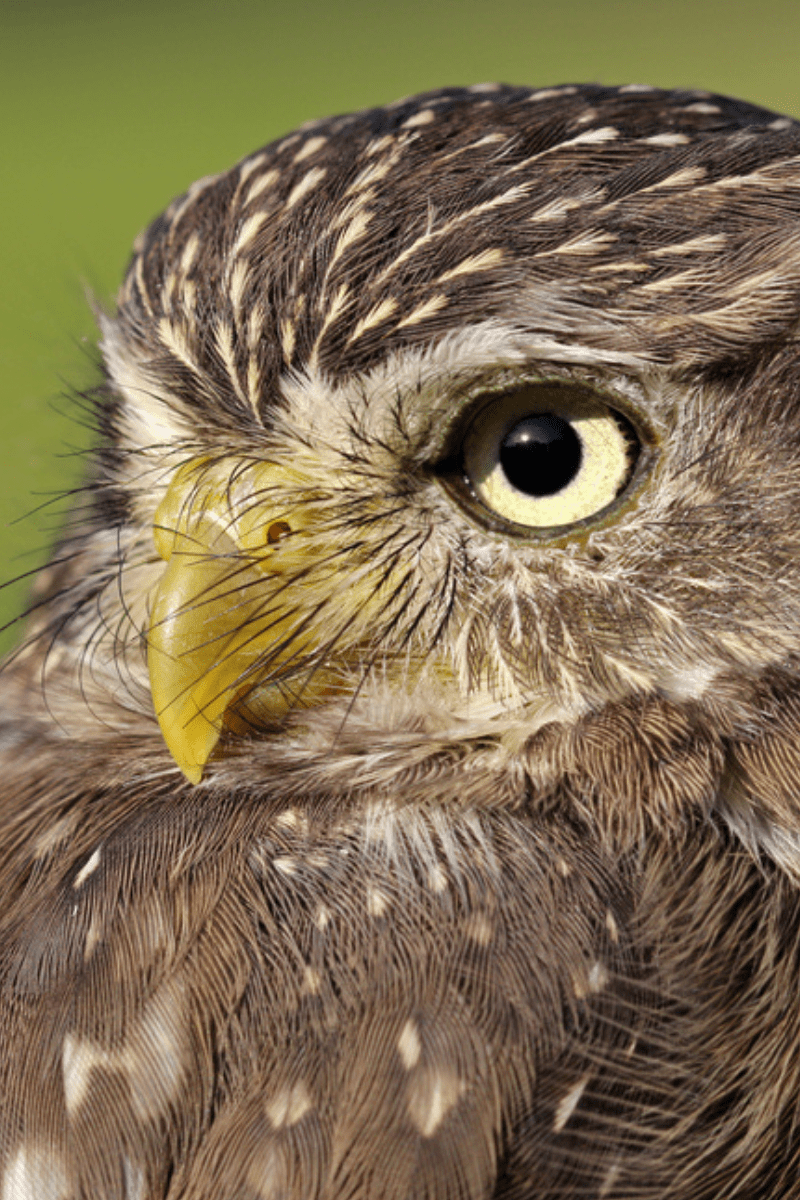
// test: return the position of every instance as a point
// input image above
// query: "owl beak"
(209, 620)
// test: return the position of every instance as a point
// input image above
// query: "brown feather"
(512, 910)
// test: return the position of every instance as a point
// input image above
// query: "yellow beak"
(213, 611)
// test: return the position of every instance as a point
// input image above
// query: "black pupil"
(541, 454)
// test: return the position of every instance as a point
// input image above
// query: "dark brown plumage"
(465, 862)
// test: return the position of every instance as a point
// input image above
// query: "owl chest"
(366, 1008)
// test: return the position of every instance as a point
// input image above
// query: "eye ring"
(545, 460)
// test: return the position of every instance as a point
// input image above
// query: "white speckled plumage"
(487, 884)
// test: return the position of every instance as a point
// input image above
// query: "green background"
(110, 108)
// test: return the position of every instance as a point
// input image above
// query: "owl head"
(462, 430)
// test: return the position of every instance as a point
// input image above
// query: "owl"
(401, 772)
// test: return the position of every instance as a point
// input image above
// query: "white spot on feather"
(141, 284)
(288, 338)
(35, 1173)
(432, 1094)
(409, 1045)
(568, 1103)
(253, 381)
(93, 935)
(680, 179)
(691, 683)
(237, 285)
(619, 267)
(592, 137)
(249, 229)
(79, 1057)
(611, 1176)
(586, 243)
(437, 880)
(287, 143)
(381, 312)
(179, 207)
(188, 295)
(135, 1180)
(311, 981)
(152, 1058)
(290, 818)
(598, 977)
(224, 340)
(53, 835)
(310, 147)
(306, 184)
(479, 928)
(380, 144)
(430, 234)
(268, 1172)
(556, 209)
(377, 902)
(706, 242)
(337, 304)
(421, 118)
(371, 174)
(551, 93)
(173, 335)
(666, 139)
(189, 253)
(247, 168)
(351, 233)
(478, 262)
(289, 1106)
(260, 185)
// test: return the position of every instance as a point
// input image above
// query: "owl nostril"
(277, 531)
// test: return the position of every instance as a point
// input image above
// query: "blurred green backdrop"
(110, 109)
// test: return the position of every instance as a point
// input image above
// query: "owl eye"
(548, 456)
